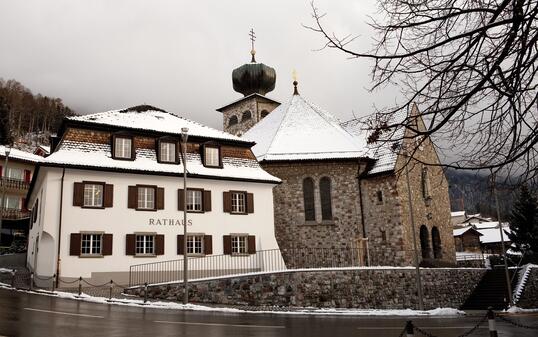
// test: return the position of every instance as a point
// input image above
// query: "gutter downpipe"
(364, 236)
(60, 229)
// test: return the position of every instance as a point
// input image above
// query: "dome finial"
(294, 74)
(252, 39)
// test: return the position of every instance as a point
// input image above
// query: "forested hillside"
(28, 115)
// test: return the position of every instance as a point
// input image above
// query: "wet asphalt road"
(23, 314)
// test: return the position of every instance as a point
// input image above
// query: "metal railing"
(14, 213)
(262, 261)
(14, 183)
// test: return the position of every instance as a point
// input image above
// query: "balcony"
(14, 184)
(14, 213)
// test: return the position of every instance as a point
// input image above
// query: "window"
(436, 243)
(145, 245)
(195, 244)
(167, 152)
(123, 147)
(93, 195)
(239, 244)
(424, 242)
(308, 197)
(91, 244)
(425, 183)
(146, 197)
(15, 173)
(325, 197)
(194, 200)
(246, 116)
(233, 121)
(264, 113)
(383, 236)
(11, 202)
(211, 156)
(379, 197)
(239, 202)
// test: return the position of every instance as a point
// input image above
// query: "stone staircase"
(491, 291)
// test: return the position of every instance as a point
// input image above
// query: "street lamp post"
(412, 220)
(184, 136)
(3, 205)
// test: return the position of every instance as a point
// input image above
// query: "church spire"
(252, 39)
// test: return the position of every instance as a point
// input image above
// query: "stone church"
(340, 193)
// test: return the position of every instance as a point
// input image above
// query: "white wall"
(120, 220)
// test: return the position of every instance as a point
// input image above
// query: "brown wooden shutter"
(180, 243)
(160, 198)
(74, 244)
(159, 244)
(208, 244)
(78, 194)
(227, 202)
(227, 244)
(207, 201)
(132, 198)
(180, 199)
(252, 244)
(130, 242)
(109, 196)
(107, 244)
(250, 203)
(27, 175)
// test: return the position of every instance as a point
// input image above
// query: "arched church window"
(436, 243)
(264, 113)
(325, 197)
(246, 116)
(308, 196)
(424, 242)
(233, 121)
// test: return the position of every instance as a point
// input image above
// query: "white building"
(105, 199)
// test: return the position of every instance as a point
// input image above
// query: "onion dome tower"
(253, 80)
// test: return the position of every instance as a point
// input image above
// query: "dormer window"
(167, 151)
(123, 147)
(212, 156)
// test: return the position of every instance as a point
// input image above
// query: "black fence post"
(13, 272)
(110, 293)
(53, 282)
(409, 329)
(80, 286)
(31, 286)
(491, 323)
(145, 292)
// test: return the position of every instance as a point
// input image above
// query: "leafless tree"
(470, 65)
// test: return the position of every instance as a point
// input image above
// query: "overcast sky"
(99, 55)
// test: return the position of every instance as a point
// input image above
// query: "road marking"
(63, 313)
(422, 327)
(230, 325)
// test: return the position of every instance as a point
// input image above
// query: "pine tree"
(5, 129)
(524, 223)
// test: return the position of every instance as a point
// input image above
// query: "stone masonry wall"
(353, 288)
(529, 297)
(253, 104)
(291, 229)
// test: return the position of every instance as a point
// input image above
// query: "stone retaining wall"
(529, 297)
(346, 288)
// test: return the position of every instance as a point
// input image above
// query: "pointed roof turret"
(298, 130)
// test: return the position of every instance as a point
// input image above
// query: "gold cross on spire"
(252, 39)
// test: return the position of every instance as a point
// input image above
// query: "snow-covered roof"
(488, 224)
(385, 150)
(20, 155)
(457, 213)
(91, 155)
(492, 235)
(153, 119)
(244, 98)
(299, 130)
(460, 231)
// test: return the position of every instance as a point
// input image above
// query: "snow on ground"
(195, 307)
(5, 270)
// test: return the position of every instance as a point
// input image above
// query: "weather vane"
(252, 39)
